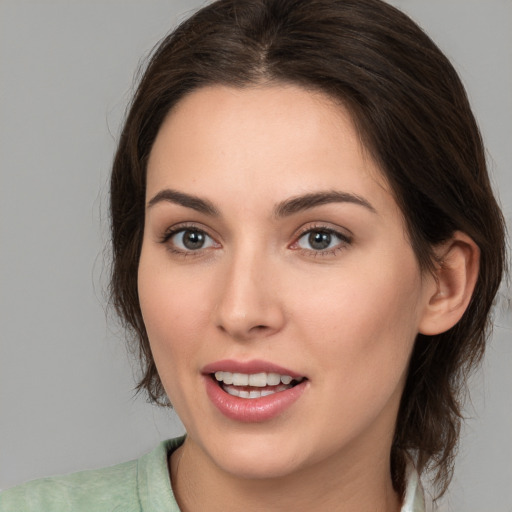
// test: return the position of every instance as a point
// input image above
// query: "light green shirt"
(141, 485)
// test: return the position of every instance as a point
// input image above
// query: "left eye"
(191, 240)
(320, 240)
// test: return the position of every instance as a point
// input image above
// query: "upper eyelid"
(184, 226)
(326, 226)
(172, 231)
(343, 238)
(344, 233)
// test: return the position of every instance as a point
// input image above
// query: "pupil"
(193, 239)
(320, 240)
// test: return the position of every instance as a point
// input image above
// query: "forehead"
(257, 111)
(265, 138)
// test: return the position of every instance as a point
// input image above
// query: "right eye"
(189, 240)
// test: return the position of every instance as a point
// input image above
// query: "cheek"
(170, 300)
(171, 309)
(368, 322)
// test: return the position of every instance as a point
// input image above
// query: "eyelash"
(344, 240)
(183, 228)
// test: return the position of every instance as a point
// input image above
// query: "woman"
(306, 247)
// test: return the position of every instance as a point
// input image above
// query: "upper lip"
(249, 367)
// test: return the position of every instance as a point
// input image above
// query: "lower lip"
(252, 410)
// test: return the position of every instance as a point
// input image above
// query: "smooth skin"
(329, 289)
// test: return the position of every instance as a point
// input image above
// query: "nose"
(249, 302)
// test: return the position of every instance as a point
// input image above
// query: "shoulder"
(133, 486)
(99, 490)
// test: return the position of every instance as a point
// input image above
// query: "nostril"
(259, 329)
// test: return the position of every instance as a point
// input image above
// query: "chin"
(258, 466)
(256, 458)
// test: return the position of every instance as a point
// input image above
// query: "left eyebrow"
(311, 200)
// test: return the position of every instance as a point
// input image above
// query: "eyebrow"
(186, 200)
(283, 209)
(311, 200)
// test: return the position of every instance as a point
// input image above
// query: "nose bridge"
(248, 305)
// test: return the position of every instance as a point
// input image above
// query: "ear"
(453, 284)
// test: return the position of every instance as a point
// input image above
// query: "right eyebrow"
(186, 200)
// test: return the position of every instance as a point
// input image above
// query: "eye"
(321, 239)
(190, 239)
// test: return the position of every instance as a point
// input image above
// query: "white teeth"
(253, 394)
(273, 379)
(258, 380)
(232, 391)
(240, 379)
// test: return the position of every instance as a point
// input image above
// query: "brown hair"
(413, 116)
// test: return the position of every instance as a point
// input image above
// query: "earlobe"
(454, 282)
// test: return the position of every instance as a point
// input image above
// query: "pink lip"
(252, 366)
(251, 410)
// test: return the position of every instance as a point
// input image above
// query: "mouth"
(252, 391)
(254, 385)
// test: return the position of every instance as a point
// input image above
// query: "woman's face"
(272, 249)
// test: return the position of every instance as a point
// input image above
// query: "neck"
(332, 485)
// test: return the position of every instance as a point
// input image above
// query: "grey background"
(66, 382)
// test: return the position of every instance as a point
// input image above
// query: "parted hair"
(413, 116)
